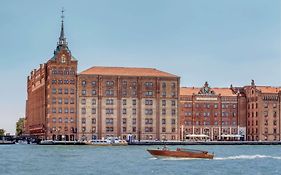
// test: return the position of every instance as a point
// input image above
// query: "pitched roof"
(189, 90)
(268, 89)
(195, 90)
(127, 71)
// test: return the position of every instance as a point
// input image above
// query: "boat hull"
(180, 154)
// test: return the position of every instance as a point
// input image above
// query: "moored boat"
(108, 142)
(180, 153)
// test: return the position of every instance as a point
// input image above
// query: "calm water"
(134, 160)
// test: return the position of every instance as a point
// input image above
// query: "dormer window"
(63, 59)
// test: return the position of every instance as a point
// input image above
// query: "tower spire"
(62, 39)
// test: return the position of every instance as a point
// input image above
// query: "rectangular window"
(109, 92)
(134, 102)
(83, 101)
(148, 93)
(163, 85)
(54, 100)
(71, 110)
(134, 121)
(93, 101)
(93, 121)
(65, 91)
(109, 83)
(173, 112)
(66, 101)
(148, 111)
(84, 83)
(148, 84)
(148, 102)
(173, 85)
(163, 111)
(66, 110)
(134, 111)
(148, 121)
(163, 102)
(83, 110)
(124, 111)
(94, 92)
(173, 103)
(83, 92)
(54, 91)
(83, 120)
(109, 102)
(72, 101)
(93, 110)
(109, 111)
(124, 121)
(93, 83)
(109, 121)
(124, 102)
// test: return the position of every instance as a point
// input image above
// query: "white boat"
(111, 141)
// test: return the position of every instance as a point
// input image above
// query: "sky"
(219, 41)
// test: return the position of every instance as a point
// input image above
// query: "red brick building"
(51, 96)
(212, 113)
(263, 112)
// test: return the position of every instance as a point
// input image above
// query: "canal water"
(135, 160)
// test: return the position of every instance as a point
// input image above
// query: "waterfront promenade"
(206, 143)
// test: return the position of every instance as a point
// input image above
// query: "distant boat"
(108, 142)
(180, 153)
(53, 142)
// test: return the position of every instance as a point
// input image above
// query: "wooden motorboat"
(180, 153)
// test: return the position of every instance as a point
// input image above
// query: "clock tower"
(61, 115)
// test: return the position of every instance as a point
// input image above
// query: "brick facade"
(211, 114)
(122, 104)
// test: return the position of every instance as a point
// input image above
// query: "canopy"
(196, 135)
(231, 135)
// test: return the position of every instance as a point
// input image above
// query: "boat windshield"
(191, 150)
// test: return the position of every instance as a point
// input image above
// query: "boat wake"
(248, 157)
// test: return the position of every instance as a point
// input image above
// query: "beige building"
(118, 101)
(263, 112)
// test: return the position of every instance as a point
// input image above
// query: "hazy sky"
(220, 41)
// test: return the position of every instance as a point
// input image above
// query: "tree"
(2, 132)
(19, 127)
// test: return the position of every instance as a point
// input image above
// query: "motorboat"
(180, 153)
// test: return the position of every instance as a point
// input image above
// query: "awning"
(231, 135)
(196, 135)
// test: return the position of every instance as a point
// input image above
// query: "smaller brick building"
(263, 112)
(212, 113)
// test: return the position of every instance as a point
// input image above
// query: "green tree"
(19, 127)
(2, 132)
